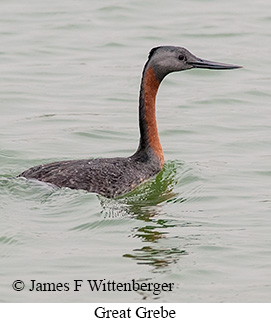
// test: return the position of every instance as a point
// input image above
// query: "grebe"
(111, 177)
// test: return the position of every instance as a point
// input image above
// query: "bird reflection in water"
(145, 206)
(152, 233)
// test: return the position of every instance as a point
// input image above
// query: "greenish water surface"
(70, 74)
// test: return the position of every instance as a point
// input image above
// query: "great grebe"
(111, 177)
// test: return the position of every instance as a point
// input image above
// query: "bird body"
(112, 177)
(109, 177)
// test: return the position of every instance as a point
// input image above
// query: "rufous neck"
(149, 137)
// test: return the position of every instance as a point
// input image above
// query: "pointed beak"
(203, 63)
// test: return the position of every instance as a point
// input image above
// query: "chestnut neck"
(149, 138)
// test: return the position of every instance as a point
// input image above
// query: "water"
(70, 73)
